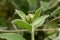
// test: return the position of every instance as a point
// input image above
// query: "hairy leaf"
(21, 14)
(37, 14)
(39, 20)
(22, 24)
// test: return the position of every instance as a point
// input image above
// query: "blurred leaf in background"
(11, 36)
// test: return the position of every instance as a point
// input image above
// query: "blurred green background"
(7, 14)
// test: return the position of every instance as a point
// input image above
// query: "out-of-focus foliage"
(11, 36)
(27, 13)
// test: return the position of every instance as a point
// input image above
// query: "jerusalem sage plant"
(30, 21)
(33, 21)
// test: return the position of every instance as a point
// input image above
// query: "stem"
(32, 34)
(54, 19)
(51, 29)
(14, 26)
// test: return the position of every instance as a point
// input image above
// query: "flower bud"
(29, 18)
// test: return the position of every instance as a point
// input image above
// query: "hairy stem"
(32, 34)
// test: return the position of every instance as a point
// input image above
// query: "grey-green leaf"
(21, 14)
(39, 20)
(53, 36)
(53, 3)
(44, 5)
(22, 24)
(37, 14)
(40, 24)
(55, 12)
(48, 5)
(32, 4)
(11, 36)
(58, 37)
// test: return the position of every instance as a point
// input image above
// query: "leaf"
(44, 5)
(39, 20)
(55, 12)
(53, 4)
(40, 24)
(53, 36)
(22, 24)
(37, 14)
(48, 5)
(49, 26)
(58, 37)
(32, 4)
(11, 36)
(21, 14)
(58, 0)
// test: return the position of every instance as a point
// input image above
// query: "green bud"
(29, 18)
